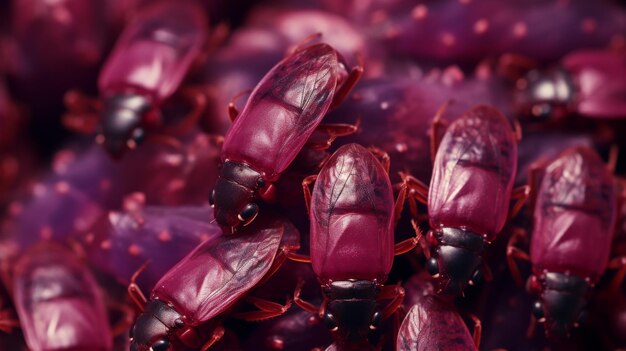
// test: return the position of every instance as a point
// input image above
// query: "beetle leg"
(304, 42)
(217, 334)
(514, 66)
(618, 263)
(611, 163)
(134, 291)
(478, 328)
(298, 257)
(520, 194)
(409, 244)
(198, 101)
(268, 194)
(436, 129)
(82, 115)
(307, 192)
(332, 131)
(347, 86)
(512, 252)
(127, 320)
(7, 323)
(382, 156)
(305, 305)
(417, 189)
(233, 112)
(517, 127)
(394, 292)
(268, 309)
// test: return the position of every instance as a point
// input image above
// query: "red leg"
(126, 322)
(409, 244)
(307, 192)
(347, 86)
(519, 194)
(518, 130)
(233, 112)
(435, 131)
(400, 199)
(416, 187)
(382, 156)
(267, 309)
(512, 253)
(477, 332)
(396, 294)
(134, 291)
(513, 66)
(298, 257)
(613, 156)
(198, 101)
(305, 305)
(311, 38)
(331, 131)
(7, 322)
(82, 115)
(618, 263)
(217, 334)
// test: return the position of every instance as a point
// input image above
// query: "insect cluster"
(329, 175)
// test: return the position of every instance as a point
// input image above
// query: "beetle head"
(155, 328)
(120, 128)
(352, 313)
(561, 303)
(234, 195)
(544, 94)
(456, 260)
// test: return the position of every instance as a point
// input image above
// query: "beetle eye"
(260, 183)
(432, 266)
(376, 319)
(538, 310)
(138, 135)
(329, 321)
(161, 345)
(212, 198)
(248, 213)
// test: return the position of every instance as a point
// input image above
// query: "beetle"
(468, 199)
(574, 219)
(433, 323)
(282, 112)
(352, 212)
(185, 303)
(58, 301)
(146, 67)
(586, 82)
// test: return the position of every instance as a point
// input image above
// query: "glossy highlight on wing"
(219, 272)
(578, 181)
(477, 140)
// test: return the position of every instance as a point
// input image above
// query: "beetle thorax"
(351, 310)
(456, 257)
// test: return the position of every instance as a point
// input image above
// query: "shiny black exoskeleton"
(562, 298)
(456, 258)
(235, 192)
(352, 312)
(121, 123)
(545, 94)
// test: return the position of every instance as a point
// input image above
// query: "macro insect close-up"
(287, 175)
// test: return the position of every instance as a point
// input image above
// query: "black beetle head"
(120, 129)
(154, 329)
(544, 94)
(234, 197)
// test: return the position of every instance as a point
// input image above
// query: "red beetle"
(188, 299)
(470, 191)
(146, 67)
(433, 323)
(352, 214)
(282, 113)
(589, 83)
(574, 219)
(59, 303)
